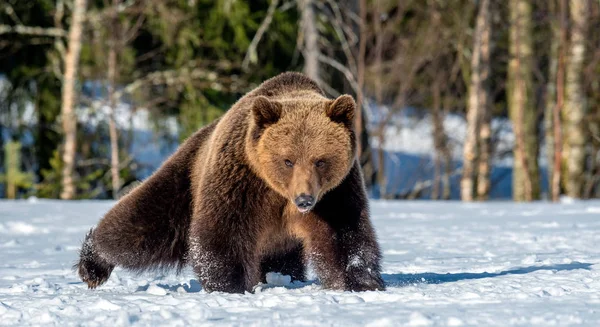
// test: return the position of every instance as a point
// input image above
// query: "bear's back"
(286, 83)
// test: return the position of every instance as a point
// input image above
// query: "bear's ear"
(342, 110)
(265, 112)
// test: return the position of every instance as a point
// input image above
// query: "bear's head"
(302, 146)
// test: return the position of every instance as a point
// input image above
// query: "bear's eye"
(289, 163)
(320, 163)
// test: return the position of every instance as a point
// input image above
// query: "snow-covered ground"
(449, 264)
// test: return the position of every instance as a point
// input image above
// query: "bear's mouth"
(304, 210)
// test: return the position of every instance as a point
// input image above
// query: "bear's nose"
(304, 202)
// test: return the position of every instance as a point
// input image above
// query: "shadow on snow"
(434, 278)
(399, 280)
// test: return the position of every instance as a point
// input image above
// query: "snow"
(411, 131)
(445, 264)
(409, 152)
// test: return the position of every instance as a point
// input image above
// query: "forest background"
(459, 99)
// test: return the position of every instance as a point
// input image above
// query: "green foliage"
(14, 179)
(49, 186)
(196, 112)
(174, 35)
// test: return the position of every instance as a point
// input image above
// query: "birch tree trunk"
(478, 101)
(112, 79)
(378, 52)
(69, 119)
(521, 102)
(551, 95)
(484, 28)
(447, 154)
(365, 153)
(576, 135)
(360, 69)
(440, 141)
(310, 34)
(558, 108)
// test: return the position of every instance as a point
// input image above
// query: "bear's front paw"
(93, 273)
(93, 270)
(364, 279)
(223, 286)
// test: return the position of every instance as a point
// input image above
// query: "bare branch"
(251, 53)
(338, 27)
(178, 77)
(287, 6)
(132, 32)
(328, 89)
(11, 12)
(32, 30)
(341, 68)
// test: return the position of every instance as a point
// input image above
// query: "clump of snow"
(156, 290)
(444, 264)
(277, 279)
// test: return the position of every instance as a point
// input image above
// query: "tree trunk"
(485, 156)
(558, 108)
(364, 147)
(576, 134)
(378, 52)
(439, 138)
(362, 49)
(310, 34)
(484, 29)
(551, 95)
(447, 155)
(69, 119)
(478, 101)
(112, 79)
(521, 103)
(593, 173)
(381, 174)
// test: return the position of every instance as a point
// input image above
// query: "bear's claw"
(92, 269)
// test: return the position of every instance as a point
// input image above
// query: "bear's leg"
(146, 229)
(321, 250)
(222, 259)
(137, 237)
(340, 240)
(92, 269)
(289, 263)
(343, 258)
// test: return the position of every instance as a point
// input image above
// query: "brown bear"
(270, 186)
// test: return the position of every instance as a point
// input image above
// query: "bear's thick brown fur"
(271, 185)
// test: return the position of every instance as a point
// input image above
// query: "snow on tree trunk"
(69, 119)
(575, 110)
(478, 103)
(521, 102)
